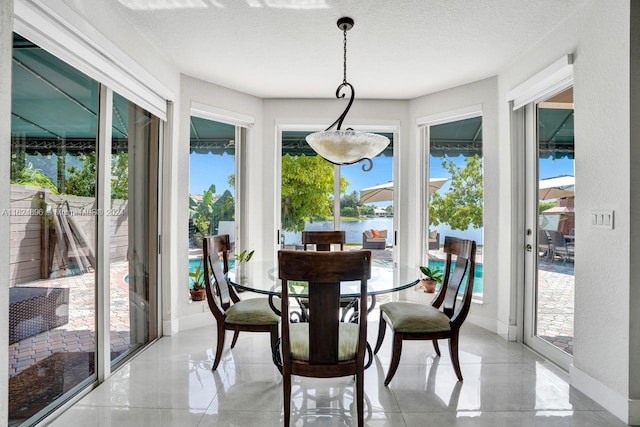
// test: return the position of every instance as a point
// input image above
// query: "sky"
(206, 169)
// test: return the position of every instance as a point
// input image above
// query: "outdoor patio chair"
(232, 313)
(442, 319)
(560, 247)
(324, 347)
(544, 245)
(374, 239)
(434, 241)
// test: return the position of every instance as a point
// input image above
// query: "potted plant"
(197, 290)
(432, 276)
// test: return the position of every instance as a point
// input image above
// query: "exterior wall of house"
(598, 35)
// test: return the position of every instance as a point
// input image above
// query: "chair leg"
(235, 338)
(286, 384)
(382, 328)
(221, 333)
(436, 347)
(453, 351)
(273, 333)
(360, 395)
(395, 357)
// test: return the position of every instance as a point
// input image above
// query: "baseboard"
(628, 411)
(508, 332)
(170, 327)
(195, 321)
(483, 322)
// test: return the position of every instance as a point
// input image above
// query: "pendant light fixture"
(346, 147)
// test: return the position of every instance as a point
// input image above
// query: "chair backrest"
(222, 244)
(324, 271)
(543, 238)
(323, 239)
(557, 239)
(465, 252)
(214, 249)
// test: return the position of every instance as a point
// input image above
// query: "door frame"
(528, 114)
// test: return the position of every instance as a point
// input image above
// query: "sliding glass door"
(59, 274)
(134, 202)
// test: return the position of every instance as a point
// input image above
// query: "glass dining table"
(262, 277)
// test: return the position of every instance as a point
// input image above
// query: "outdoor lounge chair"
(434, 241)
(559, 245)
(369, 241)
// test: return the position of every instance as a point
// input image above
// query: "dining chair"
(323, 347)
(443, 318)
(323, 239)
(232, 313)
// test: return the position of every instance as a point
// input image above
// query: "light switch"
(602, 219)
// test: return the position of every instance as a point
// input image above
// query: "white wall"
(482, 93)
(6, 43)
(599, 36)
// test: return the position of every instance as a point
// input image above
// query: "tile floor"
(171, 384)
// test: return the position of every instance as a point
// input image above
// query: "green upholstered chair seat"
(411, 317)
(347, 345)
(251, 311)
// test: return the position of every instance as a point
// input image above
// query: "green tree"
(34, 177)
(307, 182)
(82, 181)
(367, 210)
(202, 211)
(120, 176)
(461, 206)
(544, 205)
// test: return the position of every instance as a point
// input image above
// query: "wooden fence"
(54, 235)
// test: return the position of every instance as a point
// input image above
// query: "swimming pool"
(478, 285)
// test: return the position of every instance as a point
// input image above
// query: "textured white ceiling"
(398, 49)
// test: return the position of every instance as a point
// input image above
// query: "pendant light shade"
(345, 147)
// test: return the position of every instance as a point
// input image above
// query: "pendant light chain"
(346, 147)
(344, 80)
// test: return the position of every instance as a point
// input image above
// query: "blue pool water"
(477, 281)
